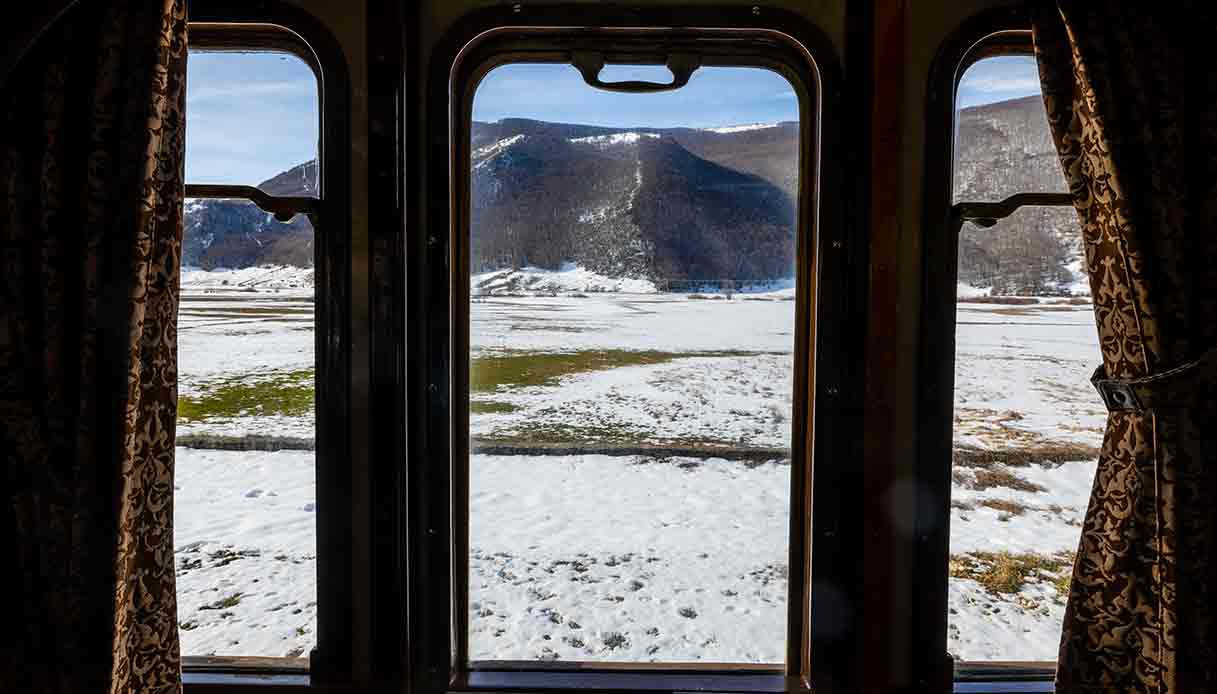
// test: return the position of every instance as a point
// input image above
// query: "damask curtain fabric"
(1131, 94)
(91, 152)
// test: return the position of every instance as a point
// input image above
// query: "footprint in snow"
(253, 494)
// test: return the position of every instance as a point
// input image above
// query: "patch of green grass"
(288, 393)
(1006, 573)
(491, 407)
(520, 369)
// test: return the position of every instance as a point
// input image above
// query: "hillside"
(236, 234)
(624, 205)
(1002, 149)
(681, 203)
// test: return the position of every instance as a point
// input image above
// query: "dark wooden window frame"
(558, 48)
(823, 637)
(270, 25)
(989, 34)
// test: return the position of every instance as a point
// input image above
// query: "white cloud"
(247, 90)
(995, 84)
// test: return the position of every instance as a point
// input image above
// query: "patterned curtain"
(91, 152)
(1131, 93)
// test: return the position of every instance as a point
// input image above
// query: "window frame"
(1005, 31)
(270, 25)
(556, 48)
(438, 460)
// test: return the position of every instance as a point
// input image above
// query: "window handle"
(589, 64)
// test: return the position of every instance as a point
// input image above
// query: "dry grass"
(1050, 453)
(224, 603)
(491, 407)
(1003, 300)
(1010, 508)
(988, 479)
(1005, 573)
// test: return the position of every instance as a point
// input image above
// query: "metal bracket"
(987, 214)
(282, 207)
(1119, 396)
(590, 63)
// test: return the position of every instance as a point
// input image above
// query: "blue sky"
(250, 116)
(998, 79)
(714, 96)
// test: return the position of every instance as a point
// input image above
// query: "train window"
(1002, 142)
(617, 360)
(245, 490)
(1027, 424)
(631, 373)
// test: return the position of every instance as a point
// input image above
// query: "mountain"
(768, 150)
(1001, 149)
(623, 204)
(681, 203)
(236, 234)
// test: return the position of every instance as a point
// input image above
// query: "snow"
(684, 563)
(567, 279)
(245, 526)
(967, 291)
(1022, 374)
(493, 149)
(255, 334)
(1081, 279)
(1049, 525)
(262, 277)
(741, 128)
(669, 559)
(744, 400)
(603, 141)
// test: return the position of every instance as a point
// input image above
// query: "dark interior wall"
(905, 36)
(908, 35)
(903, 39)
(347, 21)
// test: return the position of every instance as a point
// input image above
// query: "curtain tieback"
(1171, 389)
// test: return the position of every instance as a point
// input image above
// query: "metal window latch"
(590, 63)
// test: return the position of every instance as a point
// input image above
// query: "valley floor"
(618, 552)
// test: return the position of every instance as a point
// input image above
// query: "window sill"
(1004, 677)
(214, 682)
(991, 687)
(239, 674)
(501, 680)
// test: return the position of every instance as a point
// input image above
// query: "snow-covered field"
(604, 555)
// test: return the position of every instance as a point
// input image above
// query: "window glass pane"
(632, 263)
(244, 497)
(252, 120)
(1002, 142)
(1027, 423)
(1027, 428)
